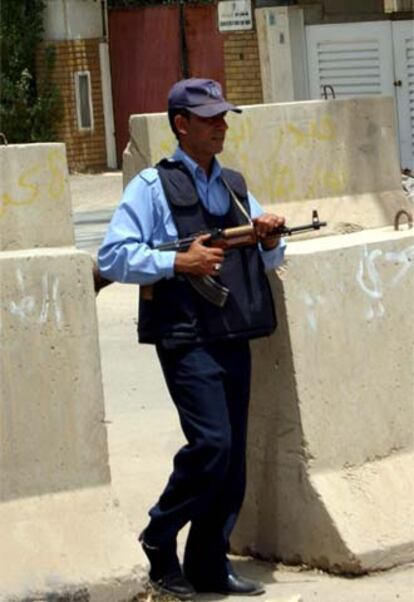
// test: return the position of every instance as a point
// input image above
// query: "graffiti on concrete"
(373, 283)
(30, 308)
(312, 303)
(36, 182)
(295, 157)
(282, 159)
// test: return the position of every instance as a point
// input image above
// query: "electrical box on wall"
(281, 38)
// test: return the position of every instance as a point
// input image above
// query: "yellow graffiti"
(326, 180)
(28, 183)
(296, 169)
(56, 183)
(325, 130)
(162, 145)
(322, 131)
(284, 182)
(239, 135)
(32, 190)
(165, 146)
(299, 136)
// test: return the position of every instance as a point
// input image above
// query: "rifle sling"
(236, 200)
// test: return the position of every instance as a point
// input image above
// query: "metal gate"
(367, 59)
(150, 48)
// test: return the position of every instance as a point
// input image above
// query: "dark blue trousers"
(210, 386)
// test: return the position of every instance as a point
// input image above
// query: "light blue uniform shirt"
(143, 220)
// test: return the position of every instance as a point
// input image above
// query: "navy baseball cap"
(203, 97)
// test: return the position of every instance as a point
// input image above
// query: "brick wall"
(85, 149)
(242, 68)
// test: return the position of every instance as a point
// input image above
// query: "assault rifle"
(230, 238)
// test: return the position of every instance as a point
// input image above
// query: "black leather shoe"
(233, 585)
(174, 585)
(165, 572)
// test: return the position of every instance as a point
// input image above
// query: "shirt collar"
(193, 167)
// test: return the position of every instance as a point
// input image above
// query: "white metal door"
(354, 58)
(403, 37)
(367, 59)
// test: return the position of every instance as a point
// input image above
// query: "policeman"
(203, 349)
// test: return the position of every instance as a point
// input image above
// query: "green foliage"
(29, 107)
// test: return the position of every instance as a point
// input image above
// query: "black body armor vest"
(175, 312)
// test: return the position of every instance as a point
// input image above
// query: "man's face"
(202, 136)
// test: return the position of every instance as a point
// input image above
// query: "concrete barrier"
(331, 441)
(338, 156)
(331, 449)
(61, 529)
(34, 194)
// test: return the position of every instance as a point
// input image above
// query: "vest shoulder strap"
(177, 183)
(236, 182)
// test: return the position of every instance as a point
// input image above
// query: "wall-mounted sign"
(234, 15)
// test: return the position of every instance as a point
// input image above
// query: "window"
(84, 100)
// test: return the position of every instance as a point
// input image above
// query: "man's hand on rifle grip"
(200, 260)
(264, 225)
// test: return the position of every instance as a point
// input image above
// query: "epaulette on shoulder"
(149, 175)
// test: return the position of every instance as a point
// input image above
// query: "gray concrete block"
(52, 408)
(339, 157)
(74, 543)
(35, 206)
(331, 446)
(62, 531)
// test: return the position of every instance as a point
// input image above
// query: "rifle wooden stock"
(231, 238)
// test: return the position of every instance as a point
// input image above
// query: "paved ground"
(144, 433)
(90, 192)
(94, 198)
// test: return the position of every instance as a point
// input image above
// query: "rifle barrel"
(285, 231)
